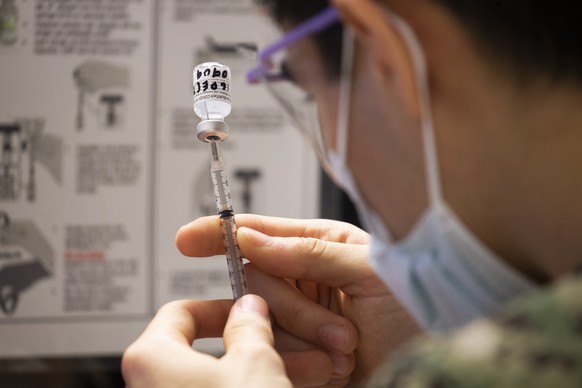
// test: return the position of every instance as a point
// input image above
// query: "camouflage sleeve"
(535, 342)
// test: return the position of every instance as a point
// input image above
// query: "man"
(455, 128)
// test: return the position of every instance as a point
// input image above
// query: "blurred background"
(100, 166)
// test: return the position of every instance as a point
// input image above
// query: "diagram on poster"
(102, 88)
(100, 164)
(24, 146)
(26, 258)
(246, 191)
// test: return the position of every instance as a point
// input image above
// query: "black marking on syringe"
(225, 214)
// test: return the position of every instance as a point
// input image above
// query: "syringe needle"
(215, 153)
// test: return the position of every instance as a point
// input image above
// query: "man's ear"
(374, 28)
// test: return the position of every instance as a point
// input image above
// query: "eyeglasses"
(299, 105)
(317, 23)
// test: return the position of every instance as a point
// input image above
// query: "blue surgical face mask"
(440, 271)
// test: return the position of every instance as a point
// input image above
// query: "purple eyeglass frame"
(317, 23)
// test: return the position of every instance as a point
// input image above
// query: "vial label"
(211, 82)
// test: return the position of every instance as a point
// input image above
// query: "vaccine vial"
(211, 83)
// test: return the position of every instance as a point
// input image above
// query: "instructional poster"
(100, 164)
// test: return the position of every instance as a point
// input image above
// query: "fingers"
(248, 338)
(249, 341)
(248, 323)
(308, 368)
(302, 317)
(202, 238)
(184, 321)
(157, 355)
(316, 368)
(333, 264)
(311, 365)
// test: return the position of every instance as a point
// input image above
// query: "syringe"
(227, 223)
(211, 82)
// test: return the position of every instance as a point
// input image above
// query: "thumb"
(248, 322)
(248, 338)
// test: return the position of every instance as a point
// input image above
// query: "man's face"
(308, 72)
(384, 143)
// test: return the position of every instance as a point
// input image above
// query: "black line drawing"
(243, 191)
(238, 55)
(110, 104)
(101, 90)
(203, 194)
(247, 176)
(24, 145)
(27, 258)
(10, 174)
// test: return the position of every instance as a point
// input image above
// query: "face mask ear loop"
(427, 124)
(345, 95)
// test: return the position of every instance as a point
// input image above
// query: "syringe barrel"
(233, 254)
(221, 189)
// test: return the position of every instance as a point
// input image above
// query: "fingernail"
(253, 305)
(336, 337)
(256, 237)
(340, 363)
(183, 228)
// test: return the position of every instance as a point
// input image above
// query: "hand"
(163, 356)
(316, 344)
(327, 262)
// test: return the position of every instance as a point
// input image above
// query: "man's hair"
(329, 42)
(529, 38)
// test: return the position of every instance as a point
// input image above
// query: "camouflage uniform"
(535, 342)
